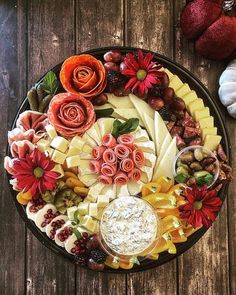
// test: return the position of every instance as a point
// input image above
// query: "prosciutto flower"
(143, 72)
(201, 206)
(34, 172)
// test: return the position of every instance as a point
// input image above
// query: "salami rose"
(109, 157)
(108, 140)
(97, 152)
(138, 157)
(95, 166)
(84, 75)
(71, 114)
(108, 170)
(127, 139)
(121, 178)
(134, 175)
(126, 165)
(121, 151)
(105, 179)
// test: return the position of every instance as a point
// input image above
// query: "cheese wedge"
(210, 131)
(58, 168)
(165, 168)
(135, 188)
(51, 131)
(96, 189)
(195, 105)
(83, 208)
(122, 190)
(60, 143)
(105, 125)
(77, 142)
(110, 191)
(161, 132)
(175, 82)
(149, 125)
(127, 114)
(58, 157)
(122, 102)
(150, 159)
(141, 135)
(146, 146)
(184, 89)
(88, 140)
(147, 173)
(73, 161)
(166, 143)
(94, 133)
(189, 97)
(141, 106)
(212, 141)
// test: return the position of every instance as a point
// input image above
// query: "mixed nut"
(196, 166)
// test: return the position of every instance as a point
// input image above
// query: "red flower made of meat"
(70, 114)
(83, 74)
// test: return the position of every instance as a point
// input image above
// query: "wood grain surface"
(34, 36)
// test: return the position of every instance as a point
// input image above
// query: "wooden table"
(34, 36)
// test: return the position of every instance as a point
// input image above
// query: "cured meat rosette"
(71, 114)
(84, 75)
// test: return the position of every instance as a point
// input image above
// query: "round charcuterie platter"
(118, 159)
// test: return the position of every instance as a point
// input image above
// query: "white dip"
(128, 225)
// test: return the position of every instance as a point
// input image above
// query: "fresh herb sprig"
(119, 128)
(50, 83)
(104, 113)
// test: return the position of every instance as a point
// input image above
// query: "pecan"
(221, 153)
(227, 171)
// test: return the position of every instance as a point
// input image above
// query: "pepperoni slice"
(109, 157)
(127, 139)
(105, 179)
(97, 152)
(95, 166)
(138, 158)
(135, 174)
(126, 165)
(108, 170)
(121, 151)
(121, 178)
(108, 140)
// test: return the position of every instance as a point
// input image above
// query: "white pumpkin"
(227, 90)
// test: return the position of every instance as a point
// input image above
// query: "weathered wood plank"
(149, 25)
(12, 231)
(204, 268)
(50, 40)
(98, 24)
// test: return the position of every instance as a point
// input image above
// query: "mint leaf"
(120, 128)
(76, 216)
(104, 113)
(115, 127)
(77, 233)
(50, 83)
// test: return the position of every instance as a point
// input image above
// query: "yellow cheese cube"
(102, 200)
(184, 89)
(83, 208)
(60, 143)
(72, 161)
(175, 82)
(93, 209)
(210, 131)
(58, 157)
(91, 198)
(189, 97)
(57, 168)
(51, 131)
(207, 122)
(72, 151)
(71, 212)
(43, 144)
(49, 151)
(212, 141)
(77, 142)
(87, 149)
(195, 105)
(89, 223)
(99, 215)
(201, 113)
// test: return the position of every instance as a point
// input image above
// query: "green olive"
(198, 154)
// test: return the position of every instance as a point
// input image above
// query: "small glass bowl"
(205, 151)
(124, 257)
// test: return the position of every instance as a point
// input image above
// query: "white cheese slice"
(96, 189)
(165, 168)
(58, 168)
(110, 191)
(147, 173)
(141, 106)
(58, 157)
(84, 167)
(88, 179)
(161, 132)
(102, 200)
(51, 131)
(149, 124)
(135, 188)
(122, 190)
(60, 143)
(73, 161)
(141, 135)
(146, 146)
(88, 140)
(120, 102)
(150, 159)
(164, 147)
(127, 114)
(105, 125)
(94, 133)
(77, 142)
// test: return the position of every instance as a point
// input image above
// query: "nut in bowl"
(196, 165)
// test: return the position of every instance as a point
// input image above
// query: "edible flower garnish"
(34, 173)
(201, 207)
(143, 72)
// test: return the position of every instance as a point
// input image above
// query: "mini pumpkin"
(212, 25)
(227, 90)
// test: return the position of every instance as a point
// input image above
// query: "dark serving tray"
(202, 92)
